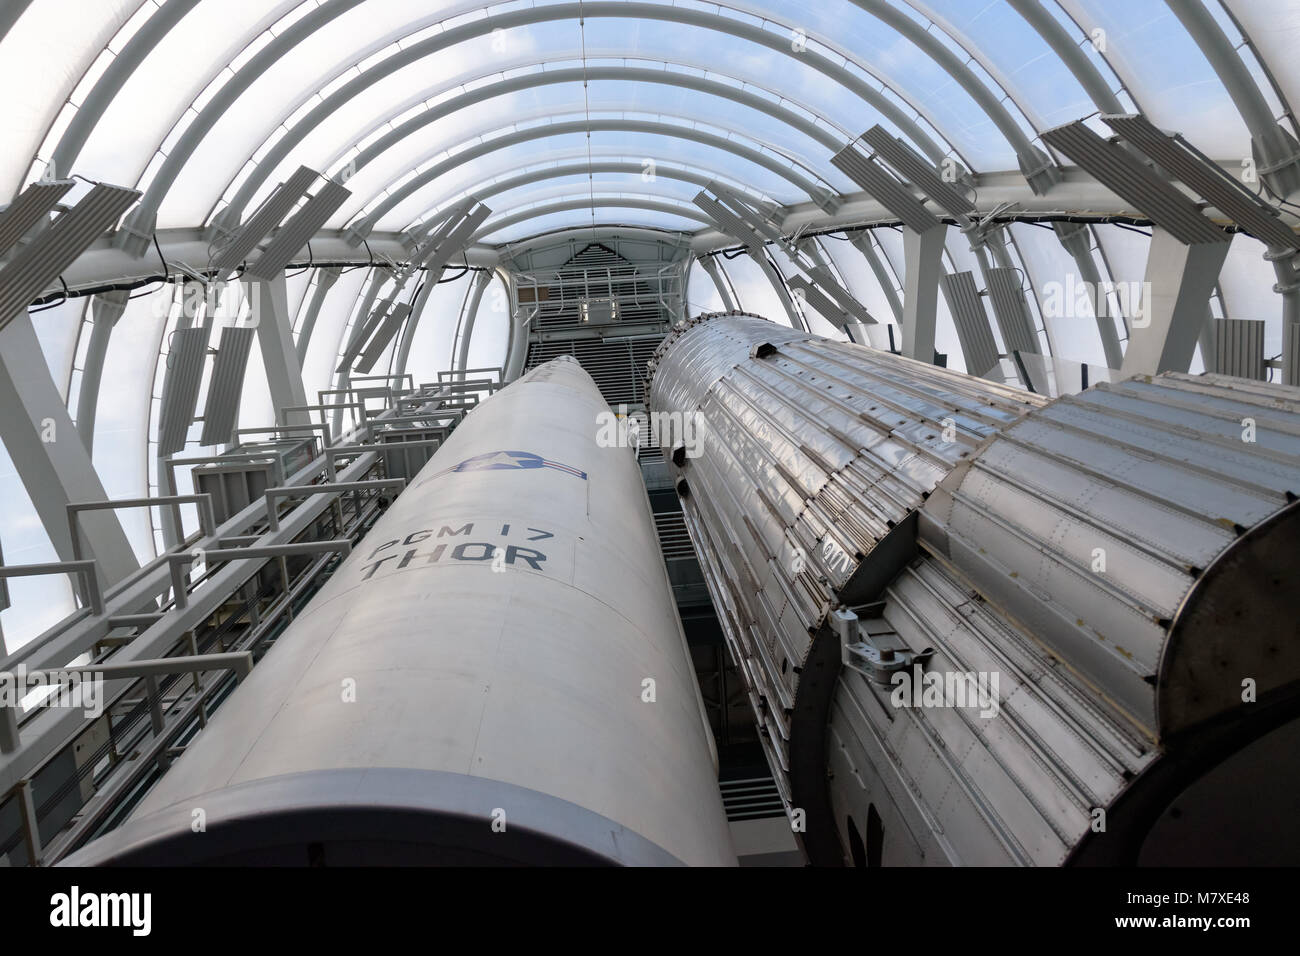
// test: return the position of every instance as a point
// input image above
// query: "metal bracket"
(332, 487)
(177, 562)
(875, 654)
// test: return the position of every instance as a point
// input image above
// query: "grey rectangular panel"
(1012, 311)
(362, 334)
(406, 462)
(973, 331)
(456, 240)
(844, 299)
(1133, 182)
(27, 209)
(1239, 348)
(909, 164)
(1253, 215)
(41, 261)
(266, 218)
(757, 220)
(1290, 353)
(728, 222)
(885, 188)
(297, 232)
(822, 303)
(387, 329)
(189, 348)
(226, 385)
(445, 224)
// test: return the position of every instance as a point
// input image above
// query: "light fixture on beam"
(38, 264)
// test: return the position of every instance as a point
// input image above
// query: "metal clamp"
(875, 655)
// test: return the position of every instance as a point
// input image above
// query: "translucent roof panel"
(1041, 83)
(1165, 72)
(491, 335)
(881, 55)
(45, 55)
(701, 293)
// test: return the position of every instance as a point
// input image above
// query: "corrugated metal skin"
(226, 385)
(1154, 472)
(1188, 488)
(185, 358)
(1239, 348)
(955, 788)
(977, 344)
(820, 442)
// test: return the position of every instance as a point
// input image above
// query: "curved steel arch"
(583, 201)
(483, 191)
(284, 146)
(1071, 54)
(666, 157)
(215, 108)
(366, 223)
(330, 9)
(114, 78)
(1038, 167)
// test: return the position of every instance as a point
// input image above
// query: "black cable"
(53, 305)
(1140, 232)
(459, 275)
(46, 308)
(141, 295)
(166, 269)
